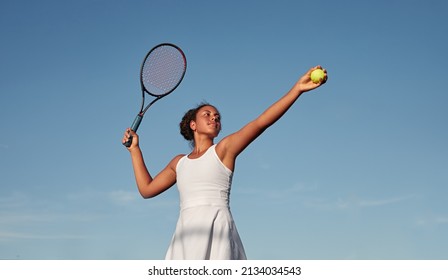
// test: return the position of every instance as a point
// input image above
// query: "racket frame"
(136, 123)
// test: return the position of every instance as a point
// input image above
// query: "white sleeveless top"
(205, 229)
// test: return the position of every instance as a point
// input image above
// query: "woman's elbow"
(146, 195)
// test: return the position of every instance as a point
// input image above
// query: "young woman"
(205, 229)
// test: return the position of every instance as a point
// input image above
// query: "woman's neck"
(201, 145)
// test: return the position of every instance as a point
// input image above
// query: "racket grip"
(136, 122)
(134, 128)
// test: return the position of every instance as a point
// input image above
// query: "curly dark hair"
(189, 116)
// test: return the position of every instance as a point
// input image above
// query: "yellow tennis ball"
(317, 76)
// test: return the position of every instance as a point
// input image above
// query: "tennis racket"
(161, 72)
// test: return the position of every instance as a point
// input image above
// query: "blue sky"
(357, 169)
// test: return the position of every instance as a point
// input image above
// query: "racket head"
(163, 69)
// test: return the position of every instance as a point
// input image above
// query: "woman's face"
(207, 121)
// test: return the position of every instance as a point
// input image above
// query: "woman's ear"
(193, 125)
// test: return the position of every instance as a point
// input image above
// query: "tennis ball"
(317, 76)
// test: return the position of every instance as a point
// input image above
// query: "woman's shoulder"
(175, 160)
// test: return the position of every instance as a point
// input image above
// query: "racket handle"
(134, 128)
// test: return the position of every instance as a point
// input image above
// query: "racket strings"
(163, 69)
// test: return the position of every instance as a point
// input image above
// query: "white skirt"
(206, 232)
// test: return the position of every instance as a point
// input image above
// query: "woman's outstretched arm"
(231, 146)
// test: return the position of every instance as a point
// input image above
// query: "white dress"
(205, 229)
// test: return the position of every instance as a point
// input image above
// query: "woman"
(205, 229)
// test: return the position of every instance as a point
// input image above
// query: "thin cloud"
(14, 218)
(122, 197)
(354, 202)
(432, 221)
(133, 199)
(14, 200)
(441, 220)
(309, 196)
(384, 201)
(295, 194)
(8, 235)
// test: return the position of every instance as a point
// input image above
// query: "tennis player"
(205, 228)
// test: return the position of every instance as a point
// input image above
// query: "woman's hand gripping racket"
(162, 71)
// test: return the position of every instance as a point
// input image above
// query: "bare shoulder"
(174, 161)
